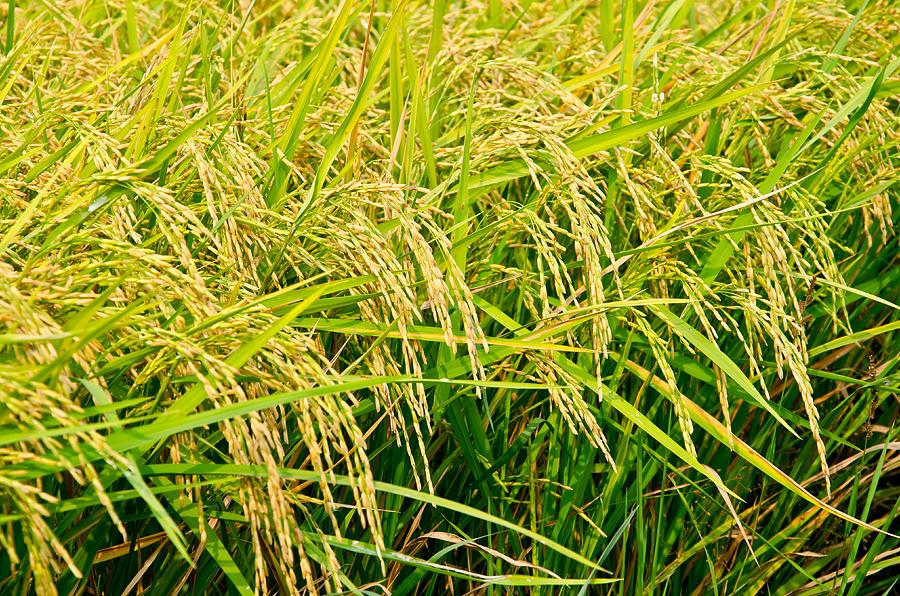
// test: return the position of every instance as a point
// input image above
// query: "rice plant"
(449, 297)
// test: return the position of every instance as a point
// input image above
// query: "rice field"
(449, 297)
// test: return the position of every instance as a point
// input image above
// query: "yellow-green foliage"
(448, 296)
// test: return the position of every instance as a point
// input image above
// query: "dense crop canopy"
(449, 296)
